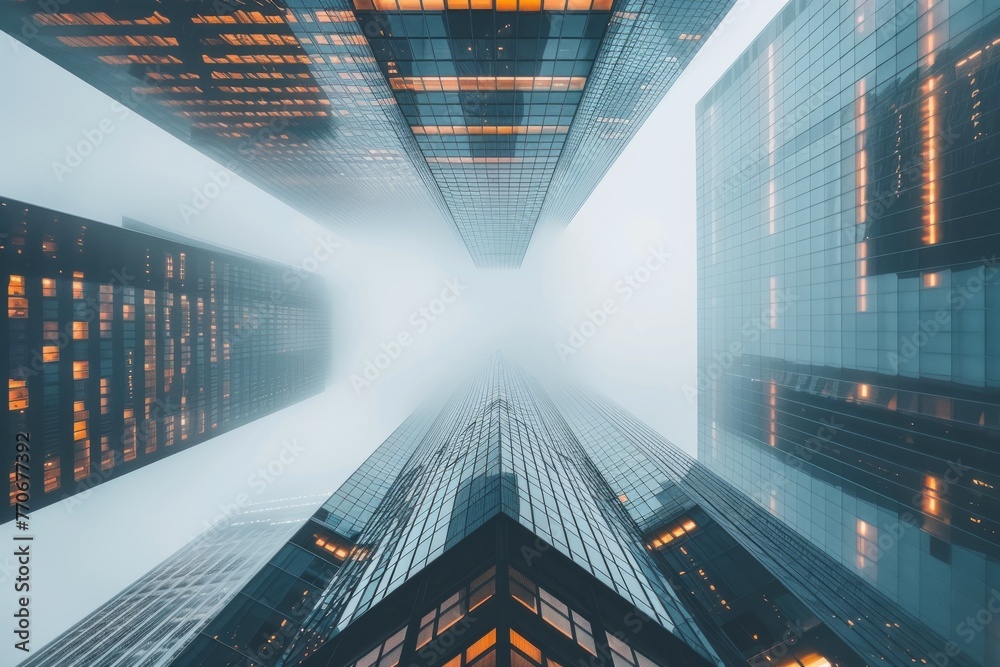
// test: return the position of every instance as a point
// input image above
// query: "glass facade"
(149, 622)
(123, 347)
(497, 446)
(494, 116)
(490, 523)
(849, 295)
(286, 95)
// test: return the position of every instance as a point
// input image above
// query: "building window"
(452, 610)
(16, 286)
(624, 655)
(51, 475)
(17, 394)
(553, 611)
(49, 246)
(50, 353)
(81, 370)
(17, 305)
(78, 284)
(674, 531)
(386, 654)
(48, 286)
(80, 330)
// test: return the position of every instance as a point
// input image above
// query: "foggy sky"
(642, 354)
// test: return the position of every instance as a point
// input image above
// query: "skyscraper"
(849, 296)
(150, 621)
(494, 116)
(122, 348)
(513, 525)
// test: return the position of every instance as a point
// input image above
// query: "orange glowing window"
(487, 83)
(78, 284)
(17, 307)
(48, 287)
(51, 475)
(623, 498)
(481, 645)
(80, 330)
(525, 647)
(17, 394)
(16, 286)
(50, 353)
(490, 129)
(81, 370)
(931, 280)
(863, 390)
(340, 552)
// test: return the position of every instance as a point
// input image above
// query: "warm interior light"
(490, 129)
(487, 83)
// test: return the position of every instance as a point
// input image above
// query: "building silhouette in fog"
(123, 348)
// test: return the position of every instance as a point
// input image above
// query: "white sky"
(642, 356)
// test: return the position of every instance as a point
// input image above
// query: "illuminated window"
(105, 395)
(81, 370)
(80, 330)
(526, 648)
(487, 83)
(481, 646)
(496, 5)
(552, 610)
(17, 307)
(51, 474)
(169, 270)
(674, 531)
(449, 612)
(50, 330)
(17, 394)
(866, 555)
(623, 498)
(489, 129)
(107, 454)
(50, 353)
(338, 551)
(49, 245)
(16, 286)
(77, 284)
(48, 287)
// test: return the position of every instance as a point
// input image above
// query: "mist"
(610, 301)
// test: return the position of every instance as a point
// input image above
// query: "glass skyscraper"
(493, 115)
(122, 348)
(849, 297)
(149, 622)
(517, 524)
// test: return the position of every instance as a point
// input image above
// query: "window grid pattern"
(847, 166)
(107, 361)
